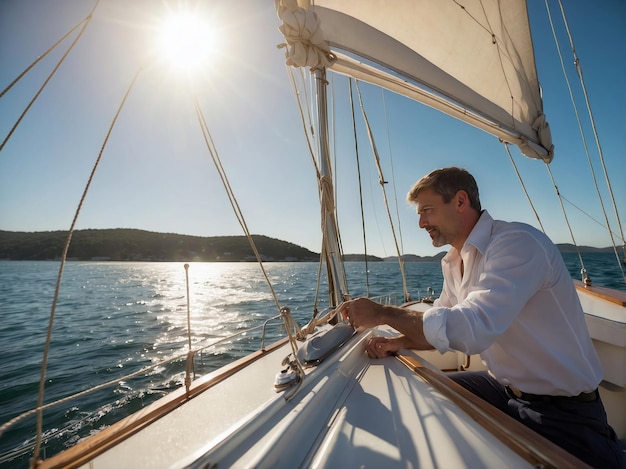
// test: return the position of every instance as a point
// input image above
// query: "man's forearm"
(409, 323)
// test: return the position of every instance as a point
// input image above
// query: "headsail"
(473, 60)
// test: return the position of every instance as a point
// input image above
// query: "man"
(507, 296)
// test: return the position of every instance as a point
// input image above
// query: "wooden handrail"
(608, 294)
(530, 445)
(88, 449)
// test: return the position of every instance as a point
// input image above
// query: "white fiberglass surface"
(395, 419)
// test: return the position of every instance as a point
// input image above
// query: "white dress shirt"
(516, 306)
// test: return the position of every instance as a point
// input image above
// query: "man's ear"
(462, 199)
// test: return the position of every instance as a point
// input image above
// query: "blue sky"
(156, 174)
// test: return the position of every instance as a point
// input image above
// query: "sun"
(186, 41)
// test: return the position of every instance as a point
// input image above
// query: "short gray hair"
(447, 182)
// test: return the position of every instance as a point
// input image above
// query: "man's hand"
(362, 312)
(379, 347)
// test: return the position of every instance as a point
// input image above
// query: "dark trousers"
(581, 428)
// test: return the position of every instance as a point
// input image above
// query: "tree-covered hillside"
(139, 245)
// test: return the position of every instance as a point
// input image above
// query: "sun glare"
(186, 41)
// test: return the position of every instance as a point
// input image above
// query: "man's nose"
(422, 221)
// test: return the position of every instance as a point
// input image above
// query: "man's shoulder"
(488, 230)
(499, 226)
(521, 231)
(513, 226)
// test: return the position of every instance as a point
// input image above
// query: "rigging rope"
(592, 121)
(305, 125)
(521, 181)
(382, 183)
(336, 275)
(84, 22)
(358, 169)
(62, 266)
(582, 134)
(332, 137)
(309, 133)
(208, 139)
(393, 176)
(586, 214)
(45, 54)
(290, 325)
(327, 199)
(305, 47)
(583, 271)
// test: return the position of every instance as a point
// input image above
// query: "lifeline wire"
(115, 381)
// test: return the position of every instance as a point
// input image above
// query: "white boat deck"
(349, 412)
(394, 419)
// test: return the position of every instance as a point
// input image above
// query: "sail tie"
(305, 45)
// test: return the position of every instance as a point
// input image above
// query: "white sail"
(482, 69)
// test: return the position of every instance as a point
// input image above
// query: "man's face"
(439, 219)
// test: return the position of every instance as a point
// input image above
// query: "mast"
(337, 284)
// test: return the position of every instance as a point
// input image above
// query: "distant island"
(121, 244)
(138, 245)
(405, 258)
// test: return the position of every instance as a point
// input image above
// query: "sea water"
(115, 318)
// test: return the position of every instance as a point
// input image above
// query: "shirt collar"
(481, 233)
(479, 237)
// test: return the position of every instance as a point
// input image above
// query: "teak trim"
(531, 446)
(608, 294)
(88, 449)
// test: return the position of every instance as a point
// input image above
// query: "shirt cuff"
(434, 323)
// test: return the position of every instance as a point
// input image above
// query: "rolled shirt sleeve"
(517, 307)
(435, 328)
